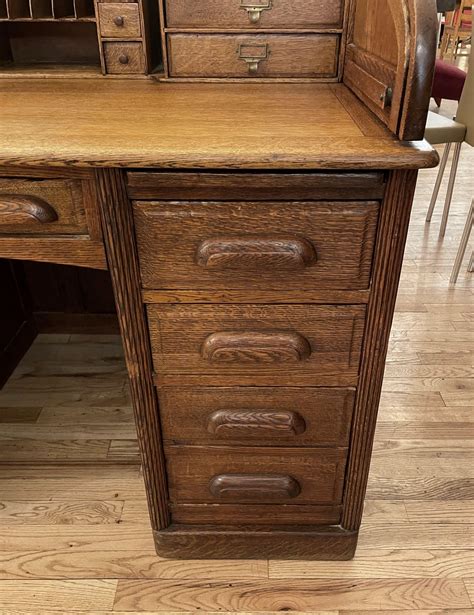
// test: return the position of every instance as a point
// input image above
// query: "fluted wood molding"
(390, 247)
(119, 238)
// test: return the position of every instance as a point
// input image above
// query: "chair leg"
(463, 245)
(449, 193)
(470, 267)
(439, 179)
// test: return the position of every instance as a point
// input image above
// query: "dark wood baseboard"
(12, 354)
(194, 542)
(60, 322)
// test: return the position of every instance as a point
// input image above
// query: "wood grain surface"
(250, 127)
(242, 246)
(258, 415)
(331, 338)
(279, 55)
(229, 14)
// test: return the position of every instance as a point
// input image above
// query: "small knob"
(123, 59)
(119, 21)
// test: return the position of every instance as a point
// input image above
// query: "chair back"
(465, 114)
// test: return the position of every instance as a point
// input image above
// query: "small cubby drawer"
(258, 416)
(283, 343)
(253, 14)
(255, 245)
(241, 475)
(119, 20)
(124, 58)
(254, 55)
(42, 206)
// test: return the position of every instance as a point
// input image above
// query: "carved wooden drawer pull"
(24, 209)
(228, 423)
(279, 252)
(254, 487)
(256, 347)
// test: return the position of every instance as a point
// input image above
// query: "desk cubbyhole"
(27, 47)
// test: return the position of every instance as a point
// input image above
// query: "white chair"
(442, 130)
(462, 247)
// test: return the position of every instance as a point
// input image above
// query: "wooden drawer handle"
(24, 209)
(282, 252)
(254, 487)
(256, 347)
(228, 423)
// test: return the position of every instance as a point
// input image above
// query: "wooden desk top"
(149, 124)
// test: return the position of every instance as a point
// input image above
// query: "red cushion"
(448, 81)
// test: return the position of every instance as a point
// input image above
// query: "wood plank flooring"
(74, 531)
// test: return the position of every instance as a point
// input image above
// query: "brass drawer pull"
(123, 58)
(119, 21)
(254, 11)
(256, 347)
(17, 209)
(253, 54)
(278, 252)
(254, 487)
(260, 423)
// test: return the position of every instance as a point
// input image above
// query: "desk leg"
(122, 258)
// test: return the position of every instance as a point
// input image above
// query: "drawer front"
(262, 416)
(126, 58)
(265, 55)
(42, 206)
(167, 185)
(119, 20)
(255, 514)
(253, 13)
(278, 340)
(242, 475)
(256, 245)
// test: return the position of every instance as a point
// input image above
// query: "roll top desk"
(245, 171)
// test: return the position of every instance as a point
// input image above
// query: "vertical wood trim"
(164, 38)
(390, 247)
(122, 256)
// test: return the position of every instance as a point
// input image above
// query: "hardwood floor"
(74, 532)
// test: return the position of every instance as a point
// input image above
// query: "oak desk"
(254, 234)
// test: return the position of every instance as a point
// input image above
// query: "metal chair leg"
(439, 179)
(449, 193)
(463, 245)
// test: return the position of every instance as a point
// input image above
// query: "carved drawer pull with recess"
(256, 347)
(254, 487)
(25, 209)
(229, 423)
(253, 53)
(254, 11)
(278, 252)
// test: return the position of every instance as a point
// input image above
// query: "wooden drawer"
(259, 55)
(256, 415)
(253, 13)
(328, 186)
(119, 20)
(42, 206)
(240, 475)
(280, 246)
(283, 342)
(123, 57)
